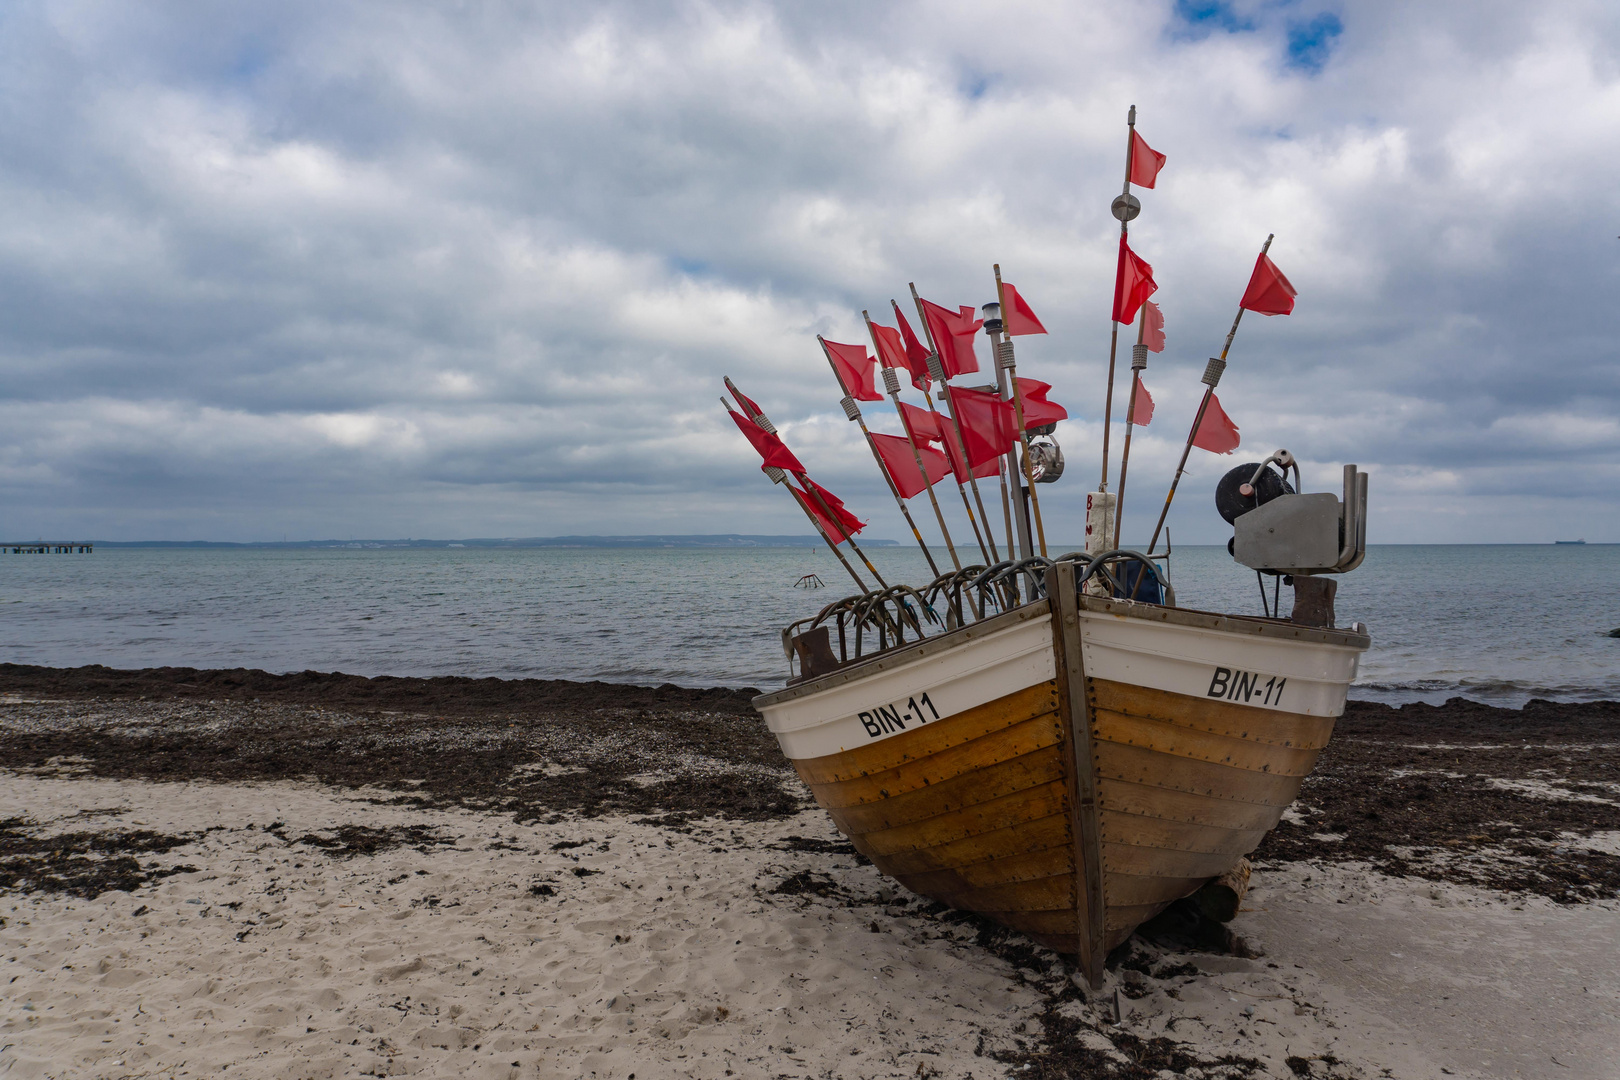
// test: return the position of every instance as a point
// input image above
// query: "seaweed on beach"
(347, 841)
(86, 863)
(533, 766)
(1467, 793)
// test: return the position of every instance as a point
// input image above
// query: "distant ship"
(1569, 541)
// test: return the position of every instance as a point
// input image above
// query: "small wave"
(1510, 693)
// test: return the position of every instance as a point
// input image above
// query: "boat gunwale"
(1280, 629)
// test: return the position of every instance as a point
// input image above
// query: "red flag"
(1216, 432)
(855, 368)
(1145, 161)
(959, 468)
(1038, 412)
(850, 522)
(1133, 284)
(953, 333)
(747, 402)
(891, 349)
(1016, 315)
(770, 447)
(989, 424)
(1269, 292)
(821, 519)
(916, 351)
(924, 425)
(1154, 338)
(1142, 412)
(895, 452)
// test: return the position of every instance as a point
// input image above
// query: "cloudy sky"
(325, 269)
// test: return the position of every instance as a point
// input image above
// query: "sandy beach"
(230, 873)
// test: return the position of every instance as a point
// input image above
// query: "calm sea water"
(1496, 623)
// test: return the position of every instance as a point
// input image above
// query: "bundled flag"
(770, 446)
(847, 522)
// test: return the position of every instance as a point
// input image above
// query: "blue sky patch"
(1310, 43)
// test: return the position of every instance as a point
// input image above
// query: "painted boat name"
(1233, 685)
(887, 719)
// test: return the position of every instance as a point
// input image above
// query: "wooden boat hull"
(965, 769)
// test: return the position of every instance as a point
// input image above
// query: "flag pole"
(779, 477)
(1011, 366)
(853, 411)
(936, 368)
(1124, 208)
(1212, 375)
(891, 383)
(1138, 365)
(809, 488)
(960, 489)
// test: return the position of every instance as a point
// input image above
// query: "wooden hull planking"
(965, 769)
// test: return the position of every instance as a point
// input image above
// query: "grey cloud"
(415, 270)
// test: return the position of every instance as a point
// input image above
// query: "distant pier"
(50, 547)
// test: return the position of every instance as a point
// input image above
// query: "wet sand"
(317, 875)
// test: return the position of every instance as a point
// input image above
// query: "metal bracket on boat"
(1099, 565)
(1308, 534)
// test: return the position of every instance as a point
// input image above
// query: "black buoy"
(1232, 503)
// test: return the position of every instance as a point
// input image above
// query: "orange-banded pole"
(1212, 375)
(1018, 409)
(891, 384)
(809, 489)
(936, 368)
(779, 477)
(1138, 365)
(1125, 208)
(961, 489)
(853, 411)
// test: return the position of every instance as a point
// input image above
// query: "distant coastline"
(719, 540)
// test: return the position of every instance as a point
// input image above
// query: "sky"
(320, 269)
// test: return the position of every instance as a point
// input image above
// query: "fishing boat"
(1053, 742)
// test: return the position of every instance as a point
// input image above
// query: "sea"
(1495, 623)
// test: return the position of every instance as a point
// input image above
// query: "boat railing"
(878, 621)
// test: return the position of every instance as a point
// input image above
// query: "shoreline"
(641, 871)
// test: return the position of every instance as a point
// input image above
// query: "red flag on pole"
(890, 349)
(1154, 338)
(746, 402)
(1145, 161)
(953, 333)
(897, 459)
(770, 447)
(989, 424)
(1016, 315)
(923, 425)
(1216, 432)
(916, 351)
(1269, 292)
(827, 527)
(1142, 412)
(1133, 284)
(855, 368)
(959, 468)
(851, 523)
(1038, 412)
